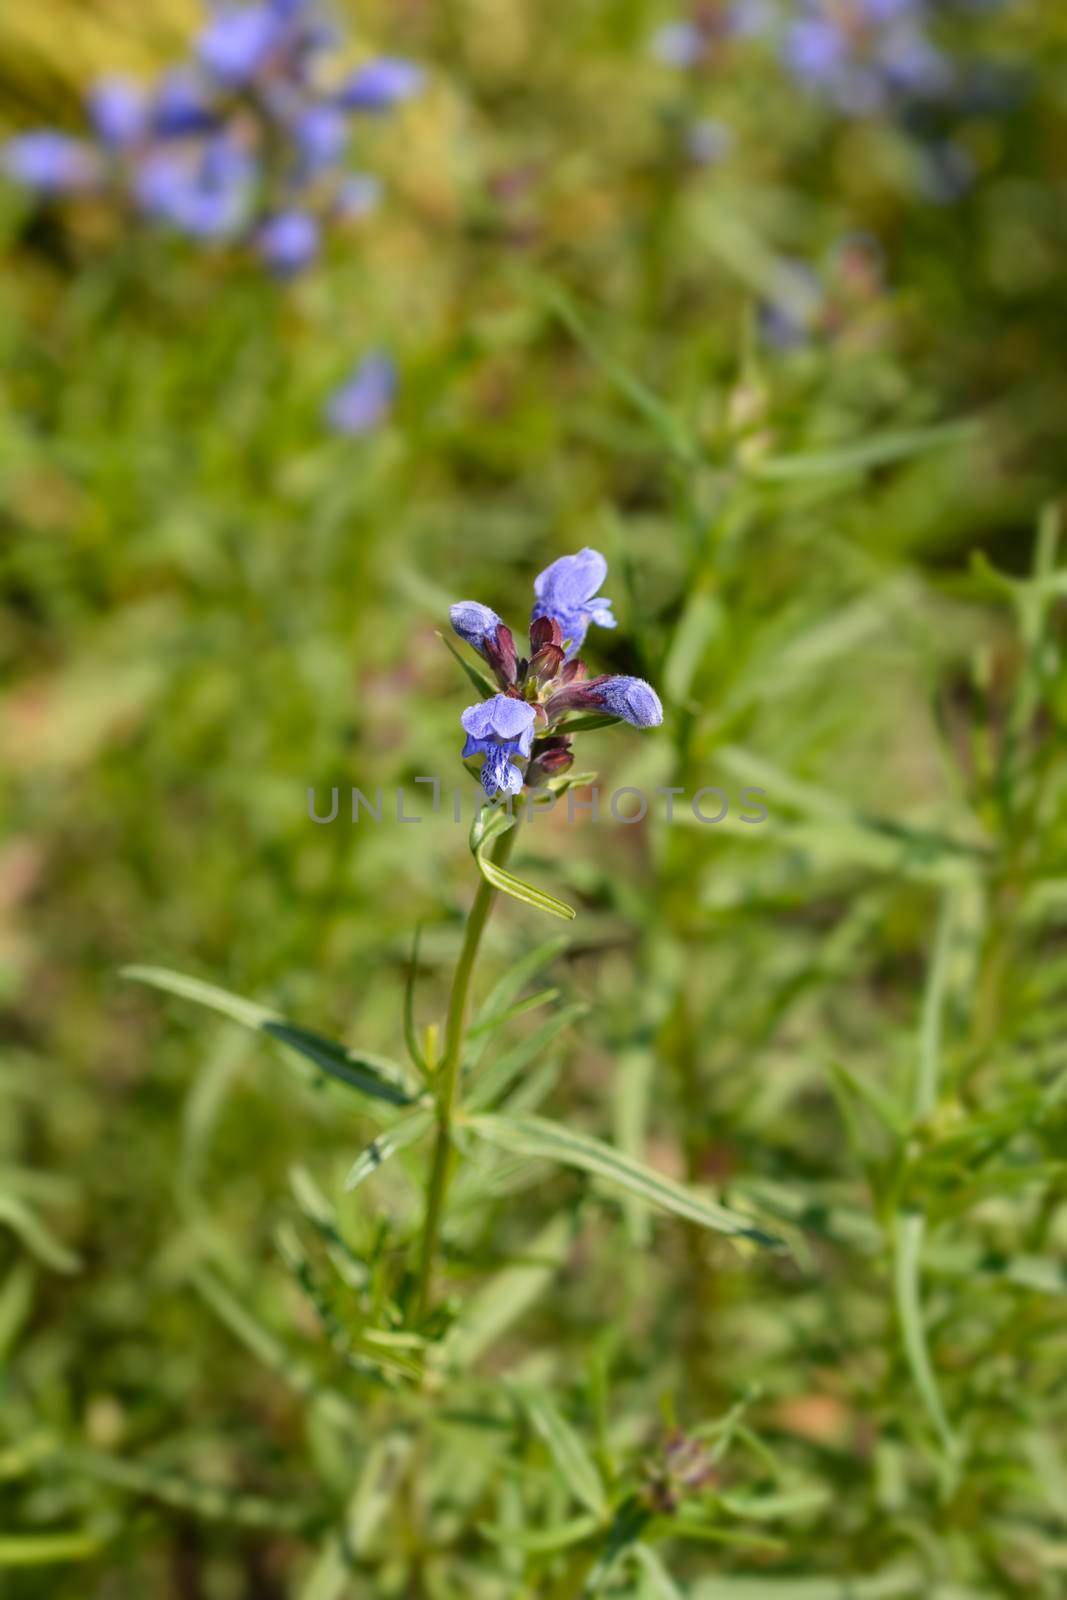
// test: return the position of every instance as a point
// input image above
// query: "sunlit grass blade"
(661, 419)
(209, 1500)
(864, 454)
(541, 1541)
(377, 1488)
(317, 1210)
(39, 1240)
(411, 1037)
(490, 1023)
(575, 1464)
(371, 1075)
(488, 1314)
(537, 1136)
(398, 1136)
(910, 1227)
(44, 1549)
(657, 1581)
(496, 1079)
(269, 1349)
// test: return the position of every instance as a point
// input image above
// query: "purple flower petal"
(119, 111)
(381, 84)
(632, 699)
(288, 242)
(361, 403)
(50, 162)
(501, 717)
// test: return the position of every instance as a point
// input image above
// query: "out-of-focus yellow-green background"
(212, 602)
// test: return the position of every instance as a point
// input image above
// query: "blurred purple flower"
(181, 105)
(321, 134)
(206, 194)
(360, 405)
(240, 41)
(119, 110)
(381, 84)
(49, 161)
(288, 242)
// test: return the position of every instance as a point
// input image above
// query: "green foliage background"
(848, 1020)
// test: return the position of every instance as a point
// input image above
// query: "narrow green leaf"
(656, 413)
(863, 454)
(902, 1583)
(700, 619)
(268, 1348)
(370, 1074)
(910, 1226)
(502, 1071)
(491, 1310)
(631, 1096)
(322, 1216)
(481, 683)
(490, 1023)
(41, 1549)
(929, 1061)
(488, 825)
(576, 1466)
(536, 1136)
(508, 884)
(541, 1541)
(411, 1037)
(860, 1086)
(38, 1239)
(659, 1585)
(209, 1500)
(405, 1131)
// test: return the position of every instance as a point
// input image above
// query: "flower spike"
(521, 725)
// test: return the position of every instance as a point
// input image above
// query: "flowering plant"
(522, 730)
(526, 721)
(247, 142)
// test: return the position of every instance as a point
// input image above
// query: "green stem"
(448, 1073)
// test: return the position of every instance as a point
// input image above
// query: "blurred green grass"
(211, 604)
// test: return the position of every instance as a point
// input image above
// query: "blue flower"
(565, 592)
(484, 631)
(541, 690)
(475, 623)
(632, 699)
(239, 42)
(288, 241)
(381, 84)
(119, 111)
(502, 730)
(361, 403)
(181, 106)
(321, 133)
(48, 161)
(206, 196)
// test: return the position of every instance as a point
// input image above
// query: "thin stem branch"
(449, 1072)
